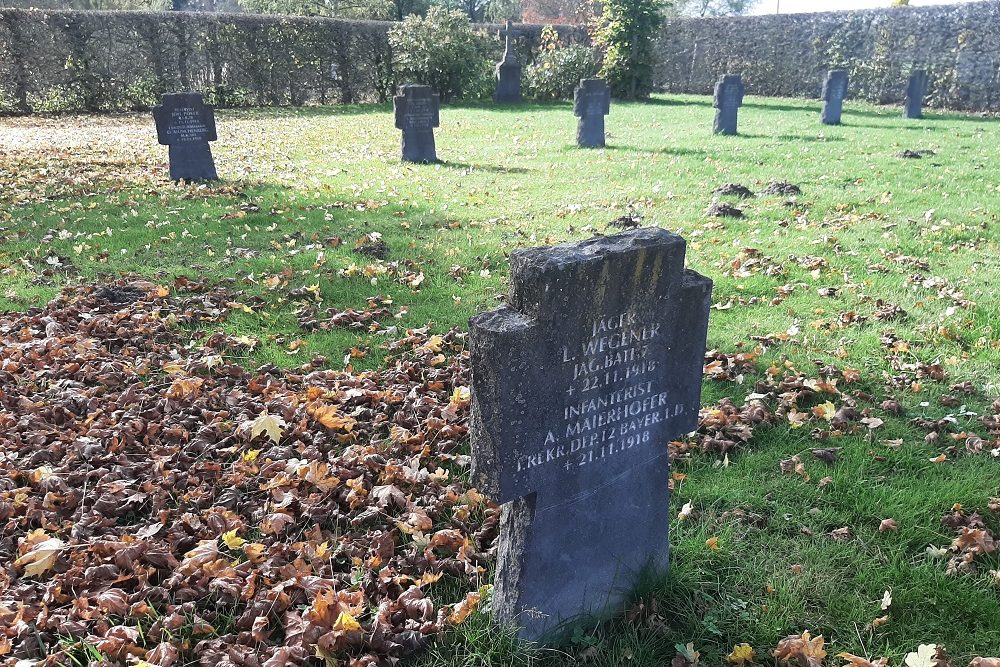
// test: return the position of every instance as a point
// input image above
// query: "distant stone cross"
(591, 102)
(508, 33)
(418, 112)
(186, 124)
(834, 94)
(508, 70)
(728, 100)
(578, 384)
(916, 90)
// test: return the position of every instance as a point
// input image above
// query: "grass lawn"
(802, 281)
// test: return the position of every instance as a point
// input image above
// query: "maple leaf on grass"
(857, 661)
(461, 611)
(924, 656)
(741, 653)
(801, 650)
(687, 653)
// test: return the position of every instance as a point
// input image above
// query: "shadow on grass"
(561, 106)
(665, 150)
(319, 111)
(895, 126)
(666, 102)
(808, 138)
(493, 169)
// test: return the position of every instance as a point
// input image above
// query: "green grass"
(512, 178)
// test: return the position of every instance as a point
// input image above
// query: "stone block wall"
(788, 55)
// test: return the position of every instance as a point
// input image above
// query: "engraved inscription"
(186, 125)
(419, 114)
(730, 96)
(611, 403)
(592, 104)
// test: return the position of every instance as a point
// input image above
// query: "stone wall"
(788, 55)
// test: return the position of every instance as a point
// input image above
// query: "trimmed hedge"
(52, 61)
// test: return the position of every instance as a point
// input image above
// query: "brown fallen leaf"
(801, 650)
(888, 525)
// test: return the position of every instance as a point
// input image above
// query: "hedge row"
(53, 61)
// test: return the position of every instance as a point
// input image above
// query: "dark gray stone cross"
(578, 384)
(727, 102)
(916, 90)
(418, 112)
(591, 102)
(508, 70)
(186, 124)
(834, 94)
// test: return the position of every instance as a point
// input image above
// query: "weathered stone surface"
(186, 124)
(578, 385)
(916, 90)
(591, 102)
(418, 112)
(727, 102)
(834, 94)
(508, 70)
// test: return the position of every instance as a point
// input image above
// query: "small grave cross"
(834, 94)
(508, 70)
(508, 33)
(186, 124)
(916, 90)
(418, 112)
(578, 385)
(591, 102)
(728, 100)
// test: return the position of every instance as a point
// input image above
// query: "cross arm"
(399, 108)
(502, 344)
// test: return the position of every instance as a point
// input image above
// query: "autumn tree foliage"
(625, 32)
(572, 12)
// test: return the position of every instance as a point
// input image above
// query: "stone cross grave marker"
(186, 124)
(418, 112)
(508, 70)
(578, 385)
(591, 102)
(728, 100)
(916, 90)
(834, 94)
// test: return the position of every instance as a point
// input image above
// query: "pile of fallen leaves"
(161, 503)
